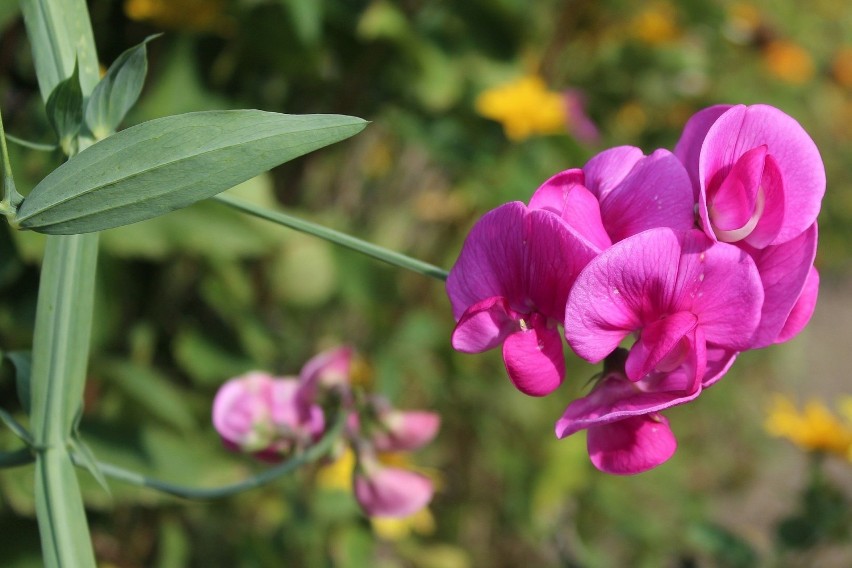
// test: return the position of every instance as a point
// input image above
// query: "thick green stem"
(61, 37)
(342, 239)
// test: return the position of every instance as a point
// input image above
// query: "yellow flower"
(388, 528)
(815, 428)
(338, 474)
(525, 107)
(197, 15)
(656, 25)
(788, 61)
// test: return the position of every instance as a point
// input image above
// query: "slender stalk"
(342, 239)
(60, 34)
(11, 197)
(312, 454)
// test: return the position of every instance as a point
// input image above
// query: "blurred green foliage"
(187, 300)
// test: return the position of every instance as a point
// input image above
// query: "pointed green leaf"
(22, 361)
(65, 110)
(118, 91)
(169, 163)
(16, 427)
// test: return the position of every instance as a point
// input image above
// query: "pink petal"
(555, 255)
(771, 220)
(392, 492)
(720, 284)
(803, 309)
(534, 358)
(733, 205)
(406, 430)
(565, 195)
(579, 123)
(740, 129)
(484, 326)
(242, 407)
(661, 343)
(783, 271)
(656, 193)
(607, 169)
(632, 445)
(328, 369)
(718, 362)
(688, 148)
(491, 262)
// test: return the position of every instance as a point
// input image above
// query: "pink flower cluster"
(697, 254)
(273, 418)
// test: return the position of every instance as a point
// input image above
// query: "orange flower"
(788, 61)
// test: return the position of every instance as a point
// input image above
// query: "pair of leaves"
(108, 104)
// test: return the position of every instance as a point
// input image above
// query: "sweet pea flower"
(757, 176)
(405, 430)
(509, 286)
(681, 294)
(383, 491)
(264, 415)
(620, 192)
(626, 432)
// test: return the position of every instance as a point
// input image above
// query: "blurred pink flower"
(577, 119)
(390, 491)
(400, 430)
(264, 415)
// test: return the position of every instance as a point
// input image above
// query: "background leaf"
(65, 111)
(169, 163)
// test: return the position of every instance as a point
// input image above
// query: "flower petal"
(772, 218)
(406, 430)
(392, 492)
(661, 342)
(491, 262)
(484, 326)
(632, 445)
(535, 359)
(803, 309)
(733, 205)
(565, 195)
(656, 193)
(607, 169)
(688, 148)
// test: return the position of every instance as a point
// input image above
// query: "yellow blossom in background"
(525, 107)
(194, 15)
(841, 67)
(421, 522)
(338, 474)
(815, 428)
(788, 61)
(743, 22)
(656, 25)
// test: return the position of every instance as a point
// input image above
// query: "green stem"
(11, 197)
(60, 34)
(312, 454)
(342, 239)
(31, 145)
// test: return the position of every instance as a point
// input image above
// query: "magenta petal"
(607, 169)
(688, 148)
(555, 255)
(534, 359)
(241, 411)
(802, 311)
(491, 262)
(632, 445)
(484, 326)
(733, 207)
(772, 218)
(392, 492)
(565, 195)
(327, 369)
(783, 270)
(742, 128)
(656, 193)
(406, 430)
(661, 343)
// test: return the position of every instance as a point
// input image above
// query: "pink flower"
(626, 433)
(757, 175)
(618, 193)
(389, 491)
(405, 430)
(677, 290)
(579, 123)
(264, 415)
(509, 286)
(328, 370)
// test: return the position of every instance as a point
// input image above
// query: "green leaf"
(22, 361)
(169, 163)
(65, 111)
(118, 91)
(83, 456)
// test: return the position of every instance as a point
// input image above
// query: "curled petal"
(735, 207)
(632, 445)
(534, 358)
(772, 218)
(484, 326)
(607, 169)
(662, 345)
(688, 148)
(392, 492)
(803, 309)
